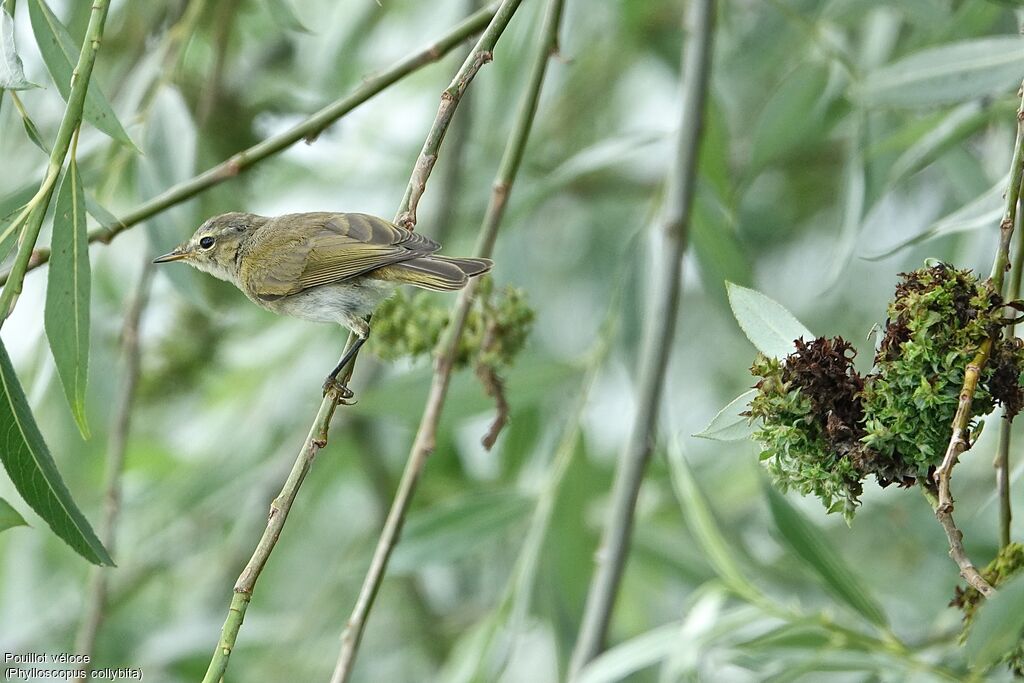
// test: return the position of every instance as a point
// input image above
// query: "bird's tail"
(439, 273)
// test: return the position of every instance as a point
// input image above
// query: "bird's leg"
(361, 328)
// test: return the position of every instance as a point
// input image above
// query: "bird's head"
(215, 247)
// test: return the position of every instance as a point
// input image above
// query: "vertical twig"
(455, 156)
(958, 442)
(317, 437)
(36, 209)
(120, 425)
(278, 515)
(657, 340)
(957, 445)
(423, 444)
(450, 98)
(1002, 461)
(435, 642)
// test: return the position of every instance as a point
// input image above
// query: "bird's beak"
(175, 255)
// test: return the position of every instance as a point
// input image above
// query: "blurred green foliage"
(815, 157)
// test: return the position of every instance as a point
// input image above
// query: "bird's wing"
(332, 248)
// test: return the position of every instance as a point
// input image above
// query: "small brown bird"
(324, 267)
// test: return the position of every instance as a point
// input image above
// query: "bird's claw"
(341, 393)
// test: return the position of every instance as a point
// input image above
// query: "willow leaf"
(60, 54)
(67, 294)
(34, 473)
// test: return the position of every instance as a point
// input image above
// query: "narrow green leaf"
(33, 134)
(955, 127)
(9, 232)
(997, 625)
(701, 521)
(60, 54)
(67, 293)
(955, 72)
(170, 141)
(802, 96)
(983, 212)
(855, 187)
(9, 517)
(11, 207)
(646, 649)
(811, 546)
(793, 635)
(102, 215)
(34, 473)
(284, 15)
(451, 531)
(768, 326)
(715, 243)
(12, 74)
(728, 424)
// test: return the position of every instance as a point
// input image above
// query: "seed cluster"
(824, 428)
(496, 330)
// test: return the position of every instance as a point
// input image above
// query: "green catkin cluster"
(1007, 564)
(936, 323)
(824, 428)
(411, 325)
(809, 415)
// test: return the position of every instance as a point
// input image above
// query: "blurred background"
(824, 151)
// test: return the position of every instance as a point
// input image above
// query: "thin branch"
(452, 175)
(1002, 461)
(657, 341)
(450, 99)
(306, 130)
(96, 601)
(278, 515)
(958, 442)
(424, 621)
(35, 211)
(424, 441)
(1002, 260)
(317, 437)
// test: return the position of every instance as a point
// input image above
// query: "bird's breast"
(331, 303)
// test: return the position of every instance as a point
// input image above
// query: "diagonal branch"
(1002, 461)
(306, 130)
(317, 437)
(958, 442)
(957, 445)
(423, 444)
(657, 340)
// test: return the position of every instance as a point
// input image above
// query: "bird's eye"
(206, 242)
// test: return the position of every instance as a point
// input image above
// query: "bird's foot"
(339, 390)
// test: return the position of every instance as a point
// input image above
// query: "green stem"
(279, 509)
(452, 171)
(1002, 260)
(424, 441)
(1002, 461)
(481, 54)
(657, 341)
(958, 442)
(68, 125)
(307, 130)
